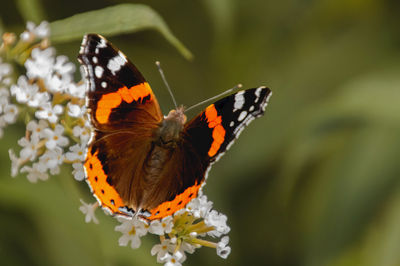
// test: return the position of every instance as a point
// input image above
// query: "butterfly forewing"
(118, 95)
(124, 112)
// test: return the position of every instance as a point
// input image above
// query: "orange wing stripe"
(218, 134)
(179, 202)
(97, 180)
(114, 99)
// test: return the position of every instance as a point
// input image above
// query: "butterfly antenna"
(166, 83)
(215, 97)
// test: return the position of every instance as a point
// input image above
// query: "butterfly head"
(171, 128)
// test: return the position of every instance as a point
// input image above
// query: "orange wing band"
(97, 180)
(218, 134)
(114, 99)
(179, 202)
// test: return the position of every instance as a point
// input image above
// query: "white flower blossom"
(15, 163)
(162, 249)
(10, 113)
(175, 259)
(132, 230)
(52, 159)
(162, 227)
(49, 112)
(88, 210)
(5, 70)
(82, 133)
(199, 206)
(29, 148)
(218, 221)
(78, 172)
(223, 250)
(35, 173)
(40, 64)
(37, 129)
(77, 90)
(77, 153)
(41, 31)
(75, 110)
(55, 137)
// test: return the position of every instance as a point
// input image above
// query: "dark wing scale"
(204, 139)
(124, 113)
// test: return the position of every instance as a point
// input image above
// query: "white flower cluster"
(49, 92)
(179, 234)
(8, 111)
(58, 131)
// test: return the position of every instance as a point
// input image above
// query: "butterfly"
(139, 162)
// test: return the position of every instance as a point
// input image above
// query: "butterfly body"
(140, 162)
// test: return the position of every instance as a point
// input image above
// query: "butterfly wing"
(204, 140)
(124, 113)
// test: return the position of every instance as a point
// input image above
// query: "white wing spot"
(94, 59)
(98, 70)
(242, 115)
(104, 84)
(231, 124)
(239, 101)
(258, 92)
(96, 51)
(116, 63)
(102, 43)
(251, 109)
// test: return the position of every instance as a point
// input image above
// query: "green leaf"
(124, 18)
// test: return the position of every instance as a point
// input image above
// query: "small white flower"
(199, 206)
(10, 113)
(78, 172)
(75, 110)
(52, 159)
(175, 259)
(40, 64)
(35, 173)
(88, 210)
(223, 250)
(49, 112)
(55, 138)
(63, 67)
(25, 92)
(15, 163)
(37, 129)
(77, 152)
(42, 31)
(186, 247)
(29, 148)
(162, 227)
(5, 70)
(82, 133)
(77, 90)
(218, 221)
(162, 249)
(132, 230)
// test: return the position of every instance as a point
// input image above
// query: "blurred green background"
(316, 181)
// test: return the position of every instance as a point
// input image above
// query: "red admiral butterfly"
(140, 162)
